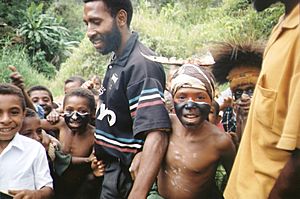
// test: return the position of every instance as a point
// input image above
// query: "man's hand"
(134, 167)
(154, 150)
(288, 181)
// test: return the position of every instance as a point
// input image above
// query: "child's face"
(76, 112)
(71, 85)
(42, 98)
(11, 116)
(192, 106)
(31, 128)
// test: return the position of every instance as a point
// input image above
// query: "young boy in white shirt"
(24, 170)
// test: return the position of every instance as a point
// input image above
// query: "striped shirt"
(133, 103)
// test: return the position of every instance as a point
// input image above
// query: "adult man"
(267, 164)
(132, 116)
(239, 65)
(195, 145)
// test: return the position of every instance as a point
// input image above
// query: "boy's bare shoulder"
(222, 139)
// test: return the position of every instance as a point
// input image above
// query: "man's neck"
(125, 37)
(290, 5)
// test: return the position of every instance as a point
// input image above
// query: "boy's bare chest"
(191, 156)
(76, 145)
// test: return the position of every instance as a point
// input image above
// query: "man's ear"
(121, 18)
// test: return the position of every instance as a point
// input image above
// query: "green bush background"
(172, 28)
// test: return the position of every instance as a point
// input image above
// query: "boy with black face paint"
(77, 138)
(195, 145)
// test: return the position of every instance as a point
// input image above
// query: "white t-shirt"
(24, 165)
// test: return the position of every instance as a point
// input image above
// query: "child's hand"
(53, 117)
(16, 77)
(30, 194)
(88, 85)
(98, 167)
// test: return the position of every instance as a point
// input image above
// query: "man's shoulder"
(140, 53)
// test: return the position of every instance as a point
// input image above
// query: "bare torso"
(79, 145)
(190, 164)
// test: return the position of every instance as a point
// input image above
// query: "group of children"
(67, 166)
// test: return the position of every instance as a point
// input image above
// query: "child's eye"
(200, 97)
(15, 112)
(69, 110)
(26, 133)
(83, 112)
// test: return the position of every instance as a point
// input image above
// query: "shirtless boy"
(76, 136)
(195, 145)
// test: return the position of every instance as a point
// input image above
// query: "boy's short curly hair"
(85, 93)
(9, 89)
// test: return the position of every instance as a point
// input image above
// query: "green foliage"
(42, 66)
(84, 61)
(43, 32)
(172, 28)
(17, 56)
(9, 10)
(183, 28)
(70, 12)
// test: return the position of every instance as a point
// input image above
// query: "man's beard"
(261, 5)
(111, 40)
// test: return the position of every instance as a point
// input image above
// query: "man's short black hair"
(40, 88)
(75, 78)
(114, 6)
(9, 89)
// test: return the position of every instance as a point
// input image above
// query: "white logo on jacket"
(111, 116)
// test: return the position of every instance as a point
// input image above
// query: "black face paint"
(82, 118)
(201, 108)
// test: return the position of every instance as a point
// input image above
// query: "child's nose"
(5, 118)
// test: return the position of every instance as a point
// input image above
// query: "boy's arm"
(47, 125)
(18, 81)
(43, 193)
(80, 160)
(287, 184)
(154, 150)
